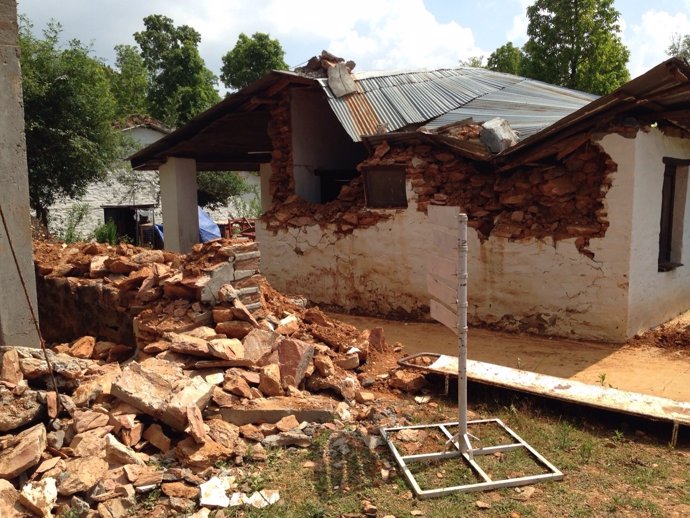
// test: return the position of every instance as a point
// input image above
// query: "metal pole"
(462, 333)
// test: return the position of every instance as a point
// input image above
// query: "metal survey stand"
(459, 442)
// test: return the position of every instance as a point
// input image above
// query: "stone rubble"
(195, 394)
(189, 405)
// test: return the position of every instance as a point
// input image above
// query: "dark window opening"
(332, 180)
(384, 187)
(673, 197)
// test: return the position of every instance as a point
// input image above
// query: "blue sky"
(376, 34)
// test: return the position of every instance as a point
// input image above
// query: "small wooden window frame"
(385, 186)
(669, 245)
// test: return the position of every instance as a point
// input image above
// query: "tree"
(251, 59)
(216, 188)
(577, 44)
(130, 82)
(506, 58)
(68, 111)
(680, 47)
(473, 61)
(181, 85)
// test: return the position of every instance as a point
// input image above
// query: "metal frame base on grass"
(487, 482)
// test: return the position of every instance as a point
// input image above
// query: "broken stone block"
(497, 135)
(269, 380)
(40, 497)
(236, 384)
(234, 328)
(90, 443)
(22, 451)
(10, 369)
(259, 343)
(18, 410)
(186, 344)
(287, 423)
(377, 340)
(407, 381)
(88, 420)
(81, 474)
(226, 348)
(89, 390)
(97, 266)
(295, 357)
(288, 325)
(224, 433)
(348, 362)
(196, 428)
(316, 409)
(251, 432)
(116, 507)
(9, 501)
(142, 476)
(324, 365)
(154, 434)
(364, 397)
(82, 347)
(200, 456)
(161, 390)
(118, 453)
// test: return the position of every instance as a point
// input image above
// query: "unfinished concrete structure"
(16, 326)
(579, 229)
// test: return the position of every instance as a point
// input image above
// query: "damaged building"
(578, 225)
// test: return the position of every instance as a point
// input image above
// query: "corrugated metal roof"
(438, 97)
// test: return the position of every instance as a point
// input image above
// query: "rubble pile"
(182, 418)
(96, 289)
(560, 199)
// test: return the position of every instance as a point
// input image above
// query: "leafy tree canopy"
(506, 58)
(680, 47)
(68, 110)
(251, 59)
(130, 82)
(577, 44)
(180, 84)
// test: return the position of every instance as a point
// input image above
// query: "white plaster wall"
(656, 297)
(526, 284)
(312, 120)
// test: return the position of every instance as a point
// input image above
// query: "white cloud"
(517, 34)
(649, 39)
(403, 34)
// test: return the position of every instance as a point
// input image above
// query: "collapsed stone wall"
(346, 212)
(131, 296)
(558, 198)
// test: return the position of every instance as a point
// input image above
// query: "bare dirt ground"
(657, 363)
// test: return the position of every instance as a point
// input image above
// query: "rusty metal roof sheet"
(393, 100)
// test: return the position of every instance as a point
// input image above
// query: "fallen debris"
(220, 368)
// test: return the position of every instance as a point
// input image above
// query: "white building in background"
(124, 187)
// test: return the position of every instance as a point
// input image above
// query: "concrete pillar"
(179, 204)
(16, 326)
(265, 172)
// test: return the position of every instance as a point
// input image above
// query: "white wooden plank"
(564, 389)
(443, 268)
(444, 216)
(444, 315)
(445, 243)
(441, 291)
